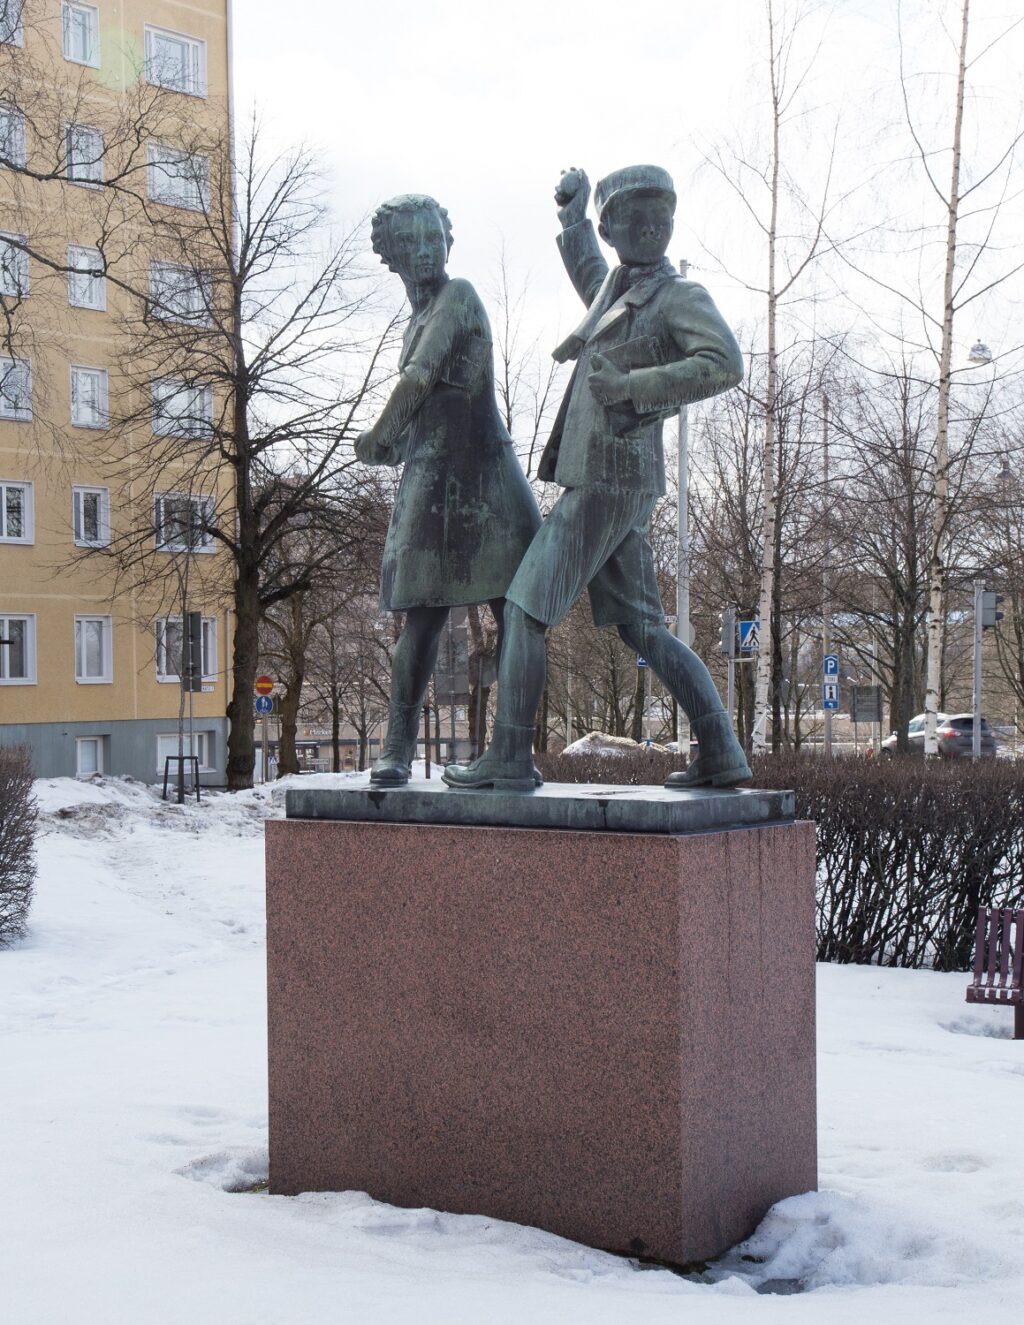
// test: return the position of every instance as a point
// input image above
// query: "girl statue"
(464, 513)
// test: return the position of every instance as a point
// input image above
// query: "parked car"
(955, 733)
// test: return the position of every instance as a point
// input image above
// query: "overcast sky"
(482, 105)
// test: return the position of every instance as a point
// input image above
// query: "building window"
(89, 397)
(169, 645)
(81, 33)
(87, 286)
(11, 33)
(179, 294)
(90, 516)
(88, 756)
(15, 389)
(93, 650)
(181, 409)
(178, 178)
(167, 748)
(84, 148)
(12, 136)
(15, 512)
(183, 523)
(13, 266)
(176, 61)
(17, 649)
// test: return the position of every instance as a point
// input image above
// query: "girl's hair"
(380, 226)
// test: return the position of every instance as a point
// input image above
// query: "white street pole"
(684, 631)
(979, 590)
(826, 605)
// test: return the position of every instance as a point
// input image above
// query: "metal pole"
(826, 605)
(730, 694)
(979, 589)
(647, 701)
(683, 629)
(451, 685)
(265, 740)
(426, 734)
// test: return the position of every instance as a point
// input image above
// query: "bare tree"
(250, 361)
(791, 226)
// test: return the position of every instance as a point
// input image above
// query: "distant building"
(88, 665)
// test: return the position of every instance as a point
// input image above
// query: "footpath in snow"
(133, 1130)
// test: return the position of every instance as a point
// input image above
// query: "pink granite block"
(608, 1035)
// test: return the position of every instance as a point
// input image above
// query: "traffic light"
(989, 613)
(728, 632)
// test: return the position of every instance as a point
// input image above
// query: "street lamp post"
(684, 631)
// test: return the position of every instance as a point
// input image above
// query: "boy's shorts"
(595, 538)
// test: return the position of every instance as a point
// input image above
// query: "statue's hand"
(368, 450)
(572, 196)
(608, 383)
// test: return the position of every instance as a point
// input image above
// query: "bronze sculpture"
(464, 513)
(649, 343)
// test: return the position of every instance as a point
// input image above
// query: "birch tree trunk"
(770, 518)
(940, 497)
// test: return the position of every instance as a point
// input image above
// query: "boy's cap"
(633, 179)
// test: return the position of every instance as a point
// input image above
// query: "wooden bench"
(998, 962)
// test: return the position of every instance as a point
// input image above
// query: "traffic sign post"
(749, 635)
(829, 694)
(263, 685)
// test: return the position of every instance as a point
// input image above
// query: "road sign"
(749, 634)
(866, 703)
(264, 704)
(830, 695)
(831, 664)
(641, 662)
(264, 685)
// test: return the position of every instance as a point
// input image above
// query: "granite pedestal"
(602, 1032)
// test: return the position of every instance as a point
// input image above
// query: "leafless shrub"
(17, 835)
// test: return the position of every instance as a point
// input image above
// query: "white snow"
(133, 1130)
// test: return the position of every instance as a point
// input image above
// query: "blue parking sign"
(831, 664)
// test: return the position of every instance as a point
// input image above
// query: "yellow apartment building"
(90, 652)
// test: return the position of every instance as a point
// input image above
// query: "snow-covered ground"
(133, 1131)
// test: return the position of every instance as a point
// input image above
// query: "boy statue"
(650, 342)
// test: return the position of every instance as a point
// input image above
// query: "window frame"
(197, 48)
(28, 511)
(17, 115)
(17, 415)
(102, 374)
(69, 7)
(82, 181)
(155, 168)
(78, 491)
(17, 37)
(199, 286)
(22, 258)
(199, 429)
(209, 502)
(97, 275)
(204, 740)
(30, 649)
(209, 659)
(98, 770)
(107, 627)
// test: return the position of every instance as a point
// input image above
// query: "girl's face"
(417, 246)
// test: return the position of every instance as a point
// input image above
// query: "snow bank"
(134, 1144)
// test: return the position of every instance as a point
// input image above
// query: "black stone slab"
(618, 809)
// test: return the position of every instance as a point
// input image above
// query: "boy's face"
(639, 227)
